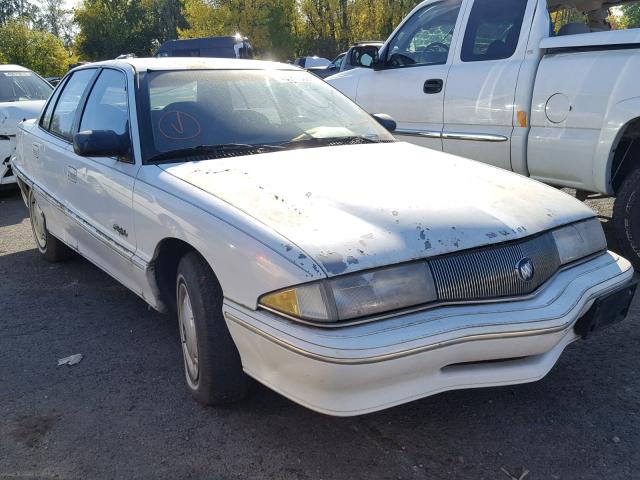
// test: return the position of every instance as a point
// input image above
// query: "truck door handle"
(433, 86)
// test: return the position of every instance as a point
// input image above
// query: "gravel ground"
(123, 412)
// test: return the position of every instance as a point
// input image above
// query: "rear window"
(493, 30)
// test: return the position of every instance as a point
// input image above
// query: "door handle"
(72, 174)
(433, 86)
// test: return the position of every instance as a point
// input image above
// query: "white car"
(22, 95)
(301, 245)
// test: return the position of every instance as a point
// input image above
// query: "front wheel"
(626, 218)
(52, 249)
(212, 364)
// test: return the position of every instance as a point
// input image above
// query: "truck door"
(409, 82)
(479, 100)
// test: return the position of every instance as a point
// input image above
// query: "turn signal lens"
(307, 302)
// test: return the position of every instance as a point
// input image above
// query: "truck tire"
(626, 218)
(52, 249)
(212, 364)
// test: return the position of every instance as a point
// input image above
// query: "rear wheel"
(212, 364)
(626, 218)
(49, 246)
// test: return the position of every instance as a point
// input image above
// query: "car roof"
(192, 63)
(13, 68)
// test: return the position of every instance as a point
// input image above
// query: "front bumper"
(369, 367)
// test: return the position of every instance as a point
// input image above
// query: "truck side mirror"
(365, 56)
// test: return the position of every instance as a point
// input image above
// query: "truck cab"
(500, 82)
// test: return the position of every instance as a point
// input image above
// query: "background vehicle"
(310, 62)
(214, 47)
(22, 95)
(346, 61)
(331, 69)
(496, 81)
(53, 80)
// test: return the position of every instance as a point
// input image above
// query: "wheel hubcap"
(38, 224)
(188, 334)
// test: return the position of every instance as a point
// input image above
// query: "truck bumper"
(364, 368)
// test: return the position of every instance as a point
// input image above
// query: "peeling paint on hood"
(363, 206)
(12, 113)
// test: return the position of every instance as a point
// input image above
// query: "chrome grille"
(492, 273)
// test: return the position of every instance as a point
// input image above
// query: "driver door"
(410, 83)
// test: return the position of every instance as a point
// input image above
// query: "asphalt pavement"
(123, 412)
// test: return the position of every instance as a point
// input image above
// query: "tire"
(212, 364)
(52, 249)
(626, 218)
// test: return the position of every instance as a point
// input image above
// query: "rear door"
(414, 66)
(480, 95)
(49, 149)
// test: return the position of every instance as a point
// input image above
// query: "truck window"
(426, 37)
(493, 30)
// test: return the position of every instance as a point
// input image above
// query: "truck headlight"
(579, 240)
(358, 295)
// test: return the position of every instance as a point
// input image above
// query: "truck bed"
(615, 39)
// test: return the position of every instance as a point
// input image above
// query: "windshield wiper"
(213, 150)
(327, 141)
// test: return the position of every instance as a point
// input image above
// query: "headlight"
(579, 240)
(358, 295)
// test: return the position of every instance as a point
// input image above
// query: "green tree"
(268, 23)
(631, 15)
(109, 28)
(40, 51)
(12, 9)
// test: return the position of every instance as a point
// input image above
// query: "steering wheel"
(437, 46)
(400, 60)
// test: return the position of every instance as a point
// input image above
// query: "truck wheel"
(49, 246)
(626, 218)
(212, 364)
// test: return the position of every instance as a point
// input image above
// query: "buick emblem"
(525, 269)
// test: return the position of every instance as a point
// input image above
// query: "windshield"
(22, 86)
(194, 108)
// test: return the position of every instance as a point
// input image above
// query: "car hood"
(12, 113)
(363, 206)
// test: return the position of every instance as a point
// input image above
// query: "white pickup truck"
(498, 82)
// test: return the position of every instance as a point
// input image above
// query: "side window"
(46, 116)
(338, 61)
(493, 30)
(65, 109)
(425, 39)
(107, 107)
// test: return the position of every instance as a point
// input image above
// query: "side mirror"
(386, 121)
(365, 56)
(332, 66)
(101, 143)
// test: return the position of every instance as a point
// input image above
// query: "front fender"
(613, 128)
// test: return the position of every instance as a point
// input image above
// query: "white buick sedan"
(300, 245)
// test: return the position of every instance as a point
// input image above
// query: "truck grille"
(492, 272)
